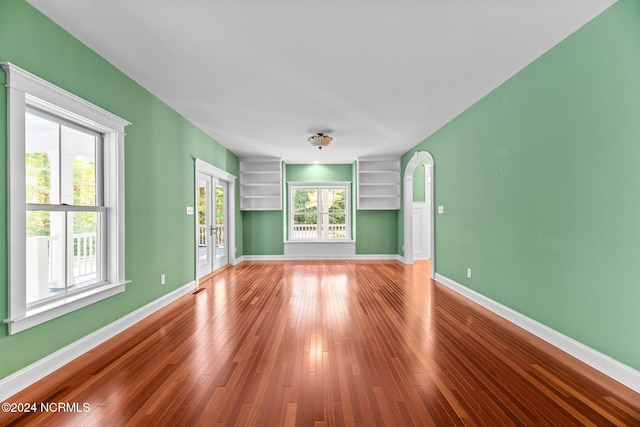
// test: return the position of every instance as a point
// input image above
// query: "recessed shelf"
(260, 184)
(379, 184)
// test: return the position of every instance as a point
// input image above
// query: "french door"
(212, 250)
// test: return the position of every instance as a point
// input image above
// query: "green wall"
(376, 232)
(418, 182)
(319, 173)
(539, 181)
(159, 172)
(263, 232)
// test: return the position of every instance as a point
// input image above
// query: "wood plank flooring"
(335, 343)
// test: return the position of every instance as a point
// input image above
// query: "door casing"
(407, 196)
(203, 167)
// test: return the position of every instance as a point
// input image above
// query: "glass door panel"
(221, 258)
(203, 224)
(211, 231)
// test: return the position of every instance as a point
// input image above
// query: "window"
(64, 211)
(319, 211)
(66, 204)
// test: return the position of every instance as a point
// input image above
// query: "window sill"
(43, 313)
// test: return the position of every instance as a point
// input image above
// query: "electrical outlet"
(162, 279)
(469, 273)
(440, 209)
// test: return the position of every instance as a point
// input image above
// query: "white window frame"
(27, 90)
(98, 208)
(320, 185)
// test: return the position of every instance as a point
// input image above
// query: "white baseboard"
(620, 372)
(26, 376)
(320, 257)
(263, 258)
(238, 260)
(383, 257)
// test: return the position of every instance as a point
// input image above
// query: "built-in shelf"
(260, 184)
(378, 184)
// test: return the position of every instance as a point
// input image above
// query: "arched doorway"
(407, 195)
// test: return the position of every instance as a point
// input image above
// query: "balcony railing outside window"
(202, 235)
(45, 281)
(310, 231)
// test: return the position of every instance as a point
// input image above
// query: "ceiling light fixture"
(320, 140)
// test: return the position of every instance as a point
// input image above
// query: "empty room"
(295, 213)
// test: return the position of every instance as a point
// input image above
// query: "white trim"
(208, 169)
(374, 257)
(25, 377)
(620, 372)
(24, 90)
(381, 257)
(57, 308)
(293, 185)
(407, 196)
(49, 95)
(320, 241)
(16, 221)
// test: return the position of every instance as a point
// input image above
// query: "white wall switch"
(440, 209)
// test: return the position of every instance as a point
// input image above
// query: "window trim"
(97, 208)
(319, 185)
(25, 90)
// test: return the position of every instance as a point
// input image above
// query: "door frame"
(208, 266)
(206, 168)
(407, 196)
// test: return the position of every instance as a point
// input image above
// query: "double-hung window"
(319, 211)
(64, 207)
(66, 201)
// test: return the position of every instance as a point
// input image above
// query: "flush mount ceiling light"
(320, 140)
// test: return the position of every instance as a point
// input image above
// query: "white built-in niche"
(378, 184)
(261, 184)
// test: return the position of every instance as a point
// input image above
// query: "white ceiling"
(378, 75)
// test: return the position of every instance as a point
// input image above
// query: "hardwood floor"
(333, 343)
